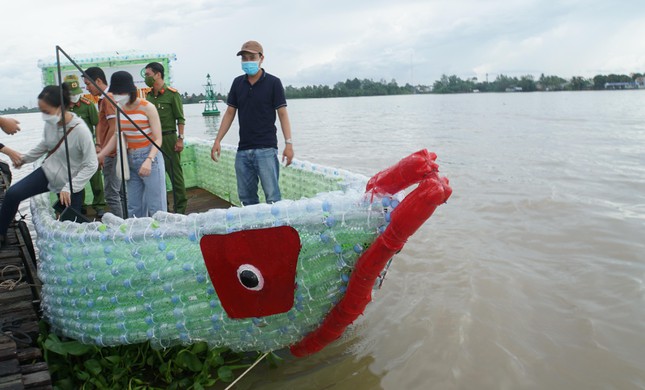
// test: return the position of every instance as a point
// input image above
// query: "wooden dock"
(21, 361)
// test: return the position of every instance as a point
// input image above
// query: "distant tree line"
(446, 84)
(185, 99)
(527, 83)
(18, 110)
(353, 87)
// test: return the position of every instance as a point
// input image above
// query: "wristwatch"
(288, 141)
(180, 136)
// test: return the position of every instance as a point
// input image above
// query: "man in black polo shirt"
(258, 96)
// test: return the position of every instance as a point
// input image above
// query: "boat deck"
(199, 200)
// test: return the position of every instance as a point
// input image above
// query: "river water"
(532, 276)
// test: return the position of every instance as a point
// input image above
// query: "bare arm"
(9, 125)
(227, 120)
(285, 124)
(15, 156)
(179, 145)
(155, 127)
(111, 130)
(106, 149)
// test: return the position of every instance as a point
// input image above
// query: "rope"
(12, 329)
(10, 284)
(247, 371)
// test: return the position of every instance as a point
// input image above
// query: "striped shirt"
(133, 136)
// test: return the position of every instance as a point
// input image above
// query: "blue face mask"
(251, 68)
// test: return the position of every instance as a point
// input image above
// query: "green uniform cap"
(74, 86)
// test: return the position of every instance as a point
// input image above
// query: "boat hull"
(145, 279)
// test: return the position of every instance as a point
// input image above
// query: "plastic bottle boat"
(258, 278)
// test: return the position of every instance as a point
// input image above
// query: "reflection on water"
(211, 125)
(532, 276)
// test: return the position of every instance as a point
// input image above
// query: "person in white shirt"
(53, 175)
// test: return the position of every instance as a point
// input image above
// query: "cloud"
(412, 41)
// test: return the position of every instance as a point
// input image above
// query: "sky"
(324, 42)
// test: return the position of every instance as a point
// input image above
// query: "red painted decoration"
(409, 171)
(406, 218)
(253, 271)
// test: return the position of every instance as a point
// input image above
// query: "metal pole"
(119, 110)
(63, 111)
(122, 154)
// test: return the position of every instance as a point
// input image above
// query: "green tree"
(353, 85)
(599, 81)
(452, 84)
(503, 82)
(551, 83)
(618, 78)
(527, 83)
(578, 83)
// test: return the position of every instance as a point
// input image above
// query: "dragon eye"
(250, 277)
(253, 271)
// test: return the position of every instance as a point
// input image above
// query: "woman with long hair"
(146, 187)
(53, 175)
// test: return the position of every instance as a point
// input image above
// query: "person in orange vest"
(104, 131)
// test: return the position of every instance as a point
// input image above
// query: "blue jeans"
(146, 194)
(113, 193)
(33, 184)
(254, 164)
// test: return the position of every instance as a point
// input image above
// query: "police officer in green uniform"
(171, 113)
(86, 110)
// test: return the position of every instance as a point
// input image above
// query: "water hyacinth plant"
(74, 365)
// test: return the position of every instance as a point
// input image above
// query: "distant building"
(514, 89)
(621, 85)
(640, 81)
(132, 61)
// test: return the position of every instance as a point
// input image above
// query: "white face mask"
(121, 100)
(75, 98)
(53, 119)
